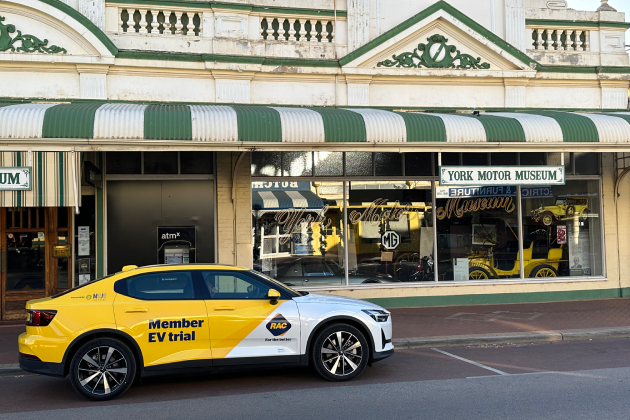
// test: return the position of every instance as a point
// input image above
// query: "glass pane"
(266, 164)
(195, 163)
(62, 262)
(172, 285)
(26, 260)
(297, 163)
(160, 163)
(532, 158)
(506, 158)
(586, 163)
(419, 164)
(388, 164)
(359, 164)
(450, 159)
(124, 163)
(328, 163)
(475, 159)
(390, 232)
(562, 230)
(233, 286)
(298, 232)
(62, 217)
(477, 233)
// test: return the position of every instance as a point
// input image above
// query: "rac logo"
(278, 326)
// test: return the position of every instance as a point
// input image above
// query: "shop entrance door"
(36, 256)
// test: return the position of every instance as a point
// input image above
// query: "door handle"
(133, 310)
(224, 308)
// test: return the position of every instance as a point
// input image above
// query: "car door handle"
(132, 310)
(224, 308)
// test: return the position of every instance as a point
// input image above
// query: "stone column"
(358, 23)
(515, 23)
(94, 10)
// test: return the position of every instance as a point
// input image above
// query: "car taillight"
(36, 318)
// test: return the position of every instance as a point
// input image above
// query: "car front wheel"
(102, 369)
(340, 352)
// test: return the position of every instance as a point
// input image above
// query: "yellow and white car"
(171, 318)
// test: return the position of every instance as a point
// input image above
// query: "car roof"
(193, 266)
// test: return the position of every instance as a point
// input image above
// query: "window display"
(403, 230)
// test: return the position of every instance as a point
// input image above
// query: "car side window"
(227, 285)
(170, 285)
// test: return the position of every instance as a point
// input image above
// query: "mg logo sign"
(390, 240)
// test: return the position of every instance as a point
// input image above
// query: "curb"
(10, 368)
(516, 337)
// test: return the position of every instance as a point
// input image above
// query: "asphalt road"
(566, 380)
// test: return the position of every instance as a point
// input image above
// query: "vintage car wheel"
(547, 218)
(544, 271)
(570, 211)
(584, 214)
(478, 273)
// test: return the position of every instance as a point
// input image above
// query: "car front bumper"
(380, 355)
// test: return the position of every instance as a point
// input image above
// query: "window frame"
(284, 295)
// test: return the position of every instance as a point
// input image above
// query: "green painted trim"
(234, 6)
(99, 222)
(583, 23)
(614, 70)
(85, 22)
(220, 58)
(441, 5)
(499, 298)
(567, 69)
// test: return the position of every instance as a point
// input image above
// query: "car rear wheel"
(340, 352)
(547, 218)
(478, 273)
(544, 270)
(102, 369)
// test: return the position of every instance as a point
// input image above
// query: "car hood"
(336, 300)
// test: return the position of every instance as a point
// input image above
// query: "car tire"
(102, 369)
(544, 270)
(570, 211)
(340, 364)
(547, 218)
(584, 214)
(478, 273)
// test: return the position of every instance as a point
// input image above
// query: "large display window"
(404, 227)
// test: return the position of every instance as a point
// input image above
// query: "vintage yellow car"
(539, 260)
(567, 206)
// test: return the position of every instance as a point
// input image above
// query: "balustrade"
(561, 39)
(160, 21)
(296, 29)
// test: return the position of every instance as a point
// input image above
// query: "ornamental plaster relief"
(93, 86)
(232, 91)
(614, 98)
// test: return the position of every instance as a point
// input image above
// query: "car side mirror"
(273, 296)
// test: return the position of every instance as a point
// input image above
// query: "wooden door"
(36, 257)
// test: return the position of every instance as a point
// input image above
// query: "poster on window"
(579, 251)
(562, 235)
(460, 269)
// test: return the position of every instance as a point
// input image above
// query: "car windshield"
(277, 283)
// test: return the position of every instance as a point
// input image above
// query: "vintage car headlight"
(377, 314)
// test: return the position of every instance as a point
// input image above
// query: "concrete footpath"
(447, 326)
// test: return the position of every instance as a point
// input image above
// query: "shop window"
(328, 164)
(562, 230)
(451, 159)
(266, 164)
(160, 163)
(390, 228)
(477, 233)
(124, 163)
(419, 164)
(298, 226)
(476, 159)
(297, 163)
(196, 163)
(359, 164)
(504, 158)
(388, 164)
(533, 159)
(586, 163)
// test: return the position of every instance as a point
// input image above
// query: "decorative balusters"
(561, 39)
(127, 23)
(299, 30)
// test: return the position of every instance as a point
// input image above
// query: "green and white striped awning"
(250, 124)
(55, 179)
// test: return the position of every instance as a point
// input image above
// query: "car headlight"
(377, 314)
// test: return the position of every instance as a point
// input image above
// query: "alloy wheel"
(341, 353)
(102, 370)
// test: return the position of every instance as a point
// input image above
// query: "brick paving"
(461, 320)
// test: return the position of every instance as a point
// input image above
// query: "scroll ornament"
(28, 43)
